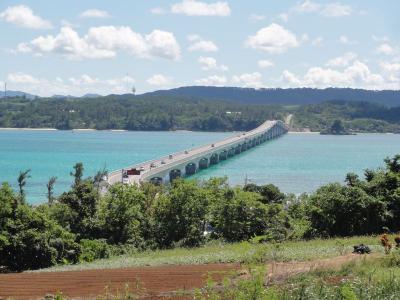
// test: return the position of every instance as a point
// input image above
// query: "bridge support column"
(203, 163)
(190, 169)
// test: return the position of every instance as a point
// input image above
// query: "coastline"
(304, 132)
(28, 129)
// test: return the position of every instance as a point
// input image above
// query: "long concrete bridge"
(189, 162)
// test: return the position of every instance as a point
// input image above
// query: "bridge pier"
(203, 163)
(189, 162)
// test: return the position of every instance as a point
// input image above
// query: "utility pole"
(5, 89)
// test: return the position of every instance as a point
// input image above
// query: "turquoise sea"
(296, 162)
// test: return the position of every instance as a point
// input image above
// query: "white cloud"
(284, 17)
(343, 39)
(21, 78)
(159, 80)
(327, 10)
(273, 39)
(265, 64)
(105, 42)
(94, 13)
(256, 17)
(318, 42)
(210, 63)
(213, 80)
(289, 77)
(307, 7)
(199, 44)
(336, 10)
(380, 38)
(356, 75)
(76, 86)
(199, 8)
(386, 49)
(251, 80)
(342, 61)
(391, 71)
(157, 11)
(23, 16)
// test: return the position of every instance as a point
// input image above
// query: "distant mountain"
(295, 96)
(17, 94)
(91, 95)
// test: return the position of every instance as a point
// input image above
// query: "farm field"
(172, 273)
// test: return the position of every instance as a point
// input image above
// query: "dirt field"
(154, 282)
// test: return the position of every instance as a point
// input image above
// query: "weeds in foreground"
(361, 280)
(124, 294)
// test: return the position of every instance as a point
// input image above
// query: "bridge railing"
(266, 124)
(216, 148)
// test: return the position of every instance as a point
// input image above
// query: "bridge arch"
(231, 152)
(156, 180)
(174, 174)
(238, 149)
(190, 168)
(223, 155)
(214, 159)
(203, 163)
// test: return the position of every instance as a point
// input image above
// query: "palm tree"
(78, 173)
(23, 176)
(50, 188)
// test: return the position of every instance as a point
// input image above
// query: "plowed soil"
(153, 282)
(148, 282)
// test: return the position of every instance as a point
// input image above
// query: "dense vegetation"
(356, 116)
(175, 113)
(293, 96)
(82, 225)
(134, 113)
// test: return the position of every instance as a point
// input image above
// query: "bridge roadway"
(188, 162)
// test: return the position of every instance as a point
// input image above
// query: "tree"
(269, 192)
(50, 187)
(336, 210)
(23, 176)
(78, 173)
(393, 164)
(352, 179)
(337, 126)
(29, 239)
(98, 178)
(242, 216)
(180, 215)
(120, 214)
(82, 203)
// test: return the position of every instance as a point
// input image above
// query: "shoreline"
(180, 130)
(28, 129)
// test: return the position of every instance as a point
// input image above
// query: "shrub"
(93, 249)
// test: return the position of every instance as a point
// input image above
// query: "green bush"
(93, 249)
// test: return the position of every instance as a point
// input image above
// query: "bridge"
(189, 162)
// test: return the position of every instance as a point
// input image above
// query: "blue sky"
(75, 47)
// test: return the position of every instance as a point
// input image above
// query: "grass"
(371, 278)
(217, 252)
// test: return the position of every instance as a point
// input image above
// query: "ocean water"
(296, 162)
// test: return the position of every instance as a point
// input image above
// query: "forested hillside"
(356, 116)
(135, 113)
(186, 113)
(295, 96)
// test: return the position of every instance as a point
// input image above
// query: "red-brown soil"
(153, 281)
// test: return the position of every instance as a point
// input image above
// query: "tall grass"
(218, 252)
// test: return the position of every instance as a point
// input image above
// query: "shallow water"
(295, 162)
